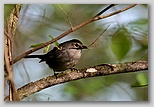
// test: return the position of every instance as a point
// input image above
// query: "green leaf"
(46, 49)
(121, 44)
(138, 85)
(36, 45)
(56, 43)
(142, 79)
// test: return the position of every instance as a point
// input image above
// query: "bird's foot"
(55, 74)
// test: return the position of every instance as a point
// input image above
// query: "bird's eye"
(77, 45)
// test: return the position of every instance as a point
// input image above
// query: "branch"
(119, 11)
(9, 32)
(105, 10)
(76, 74)
(98, 37)
(72, 30)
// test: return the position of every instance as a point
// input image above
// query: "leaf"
(138, 85)
(142, 79)
(121, 44)
(46, 49)
(56, 43)
(36, 45)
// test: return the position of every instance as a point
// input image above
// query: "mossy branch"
(76, 74)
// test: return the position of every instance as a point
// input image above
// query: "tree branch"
(114, 13)
(9, 32)
(76, 74)
(72, 30)
(104, 10)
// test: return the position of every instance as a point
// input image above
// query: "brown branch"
(70, 31)
(114, 13)
(76, 74)
(104, 10)
(9, 33)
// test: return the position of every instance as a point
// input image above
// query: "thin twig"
(70, 31)
(104, 10)
(119, 11)
(98, 36)
(66, 16)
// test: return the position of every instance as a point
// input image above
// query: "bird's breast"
(74, 53)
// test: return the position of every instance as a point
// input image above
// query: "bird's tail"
(34, 56)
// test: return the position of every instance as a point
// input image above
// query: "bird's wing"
(55, 53)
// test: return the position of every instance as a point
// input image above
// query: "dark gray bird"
(63, 57)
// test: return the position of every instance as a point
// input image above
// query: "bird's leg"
(55, 74)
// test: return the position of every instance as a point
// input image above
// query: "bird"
(65, 56)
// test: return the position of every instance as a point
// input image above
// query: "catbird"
(63, 57)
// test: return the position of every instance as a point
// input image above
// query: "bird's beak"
(84, 47)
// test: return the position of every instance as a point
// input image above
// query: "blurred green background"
(125, 40)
